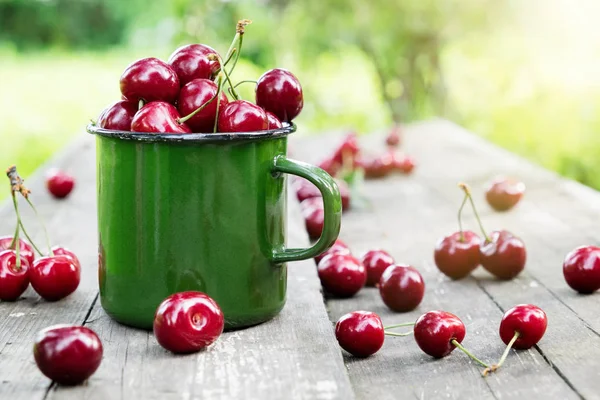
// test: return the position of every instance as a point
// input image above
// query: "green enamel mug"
(204, 212)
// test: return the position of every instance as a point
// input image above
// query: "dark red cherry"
(55, 277)
(401, 287)
(191, 62)
(59, 183)
(338, 247)
(376, 261)
(150, 79)
(195, 94)
(118, 116)
(13, 279)
(502, 194)
(341, 274)
(504, 255)
(62, 251)
(360, 333)
(279, 92)
(25, 249)
(456, 255)
(379, 166)
(314, 216)
(158, 117)
(187, 322)
(305, 189)
(273, 121)
(67, 354)
(528, 321)
(242, 116)
(394, 136)
(581, 269)
(435, 330)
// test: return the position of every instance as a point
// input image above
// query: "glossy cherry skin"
(314, 216)
(62, 251)
(191, 62)
(67, 354)
(150, 79)
(59, 183)
(456, 255)
(502, 194)
(338, 247)
(158, 117)
(394, 136)
(341, 275)
(401, 287)
(193, 95)
(435, 330)
(379, 166)
(242, 116)
(25, 249)
(187, 322)
(504, 256)
(376, 261)
(273, 121)
(529, 320)
(280, 92)
(581, 269)
(118, 116)
(360, 333)
(13, 280)
(55, 277)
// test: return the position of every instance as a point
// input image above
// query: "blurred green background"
(521, 73)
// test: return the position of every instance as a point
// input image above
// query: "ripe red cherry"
(379, 166)
(279, 92)
(528, 321)
(338, 247)
(305, 189)
(118, 116)
(581, 269)
(502, 194)
(150, 79)
(187, 322)
(13, 280)
(376, 261)
(191, 62)
(314, 216)
(457, 255)
(55, 277)
(341, 274)
(393, 138)
(401, 287)
(25, 250)
(195, 94)
(273, 121)
(360, 333)
(158, 117)
(59, 183)
(62, 251)
(242, 116)
(435, 330)
(67, 354)
(504, 255)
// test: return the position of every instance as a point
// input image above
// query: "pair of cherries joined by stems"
(187, 94)
(438, 333)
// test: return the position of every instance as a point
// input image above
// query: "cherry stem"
(467, 191)
(460, 227)
(245, 81)
(37, 215)
(238, 39)
(196, 111)
(230, 57)
(397, 334)
(467, 352)
(15, 242)
(509, 346)
(219, 91)
(385, 328)
(233, 92)
(30, 240)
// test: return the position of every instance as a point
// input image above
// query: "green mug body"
(201, 212)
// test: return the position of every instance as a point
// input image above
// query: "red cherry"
(191, 62)
(348, 150)
(25, 250)
(360, 333)
(401, 287)
(404, 164)
(158, 117)
(457, 255)
(118, 116)
(150, 79)
(435, 330)
(59, 183)
(187, 322)
(581, 269)
(306, 190)
(393, 138)
(330, 166)
(242, 116)
(67, 354)
(502, 194)
(62, 251)
(504, 255)
(273, 121)
(13, 280)
(341, 274)
(279, 92)
(528, 321)
(379, 166)
(55, 277)
(314, 216)
(195, 94)
(338, 247)
(376, 261)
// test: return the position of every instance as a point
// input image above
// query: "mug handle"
(332, 203)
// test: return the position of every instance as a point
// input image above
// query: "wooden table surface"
(295, 356)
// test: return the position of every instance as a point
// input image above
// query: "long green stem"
(30, 240)
(245, 81)
(16, 237)
(222, 68)
(504, 355)
(460, 227)
(197, 110)
(237, 55)
(467, 191)
(388, 333)
(398, 325)
(467, 352)
(37, 215)
(230, 57)
(219, 91)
